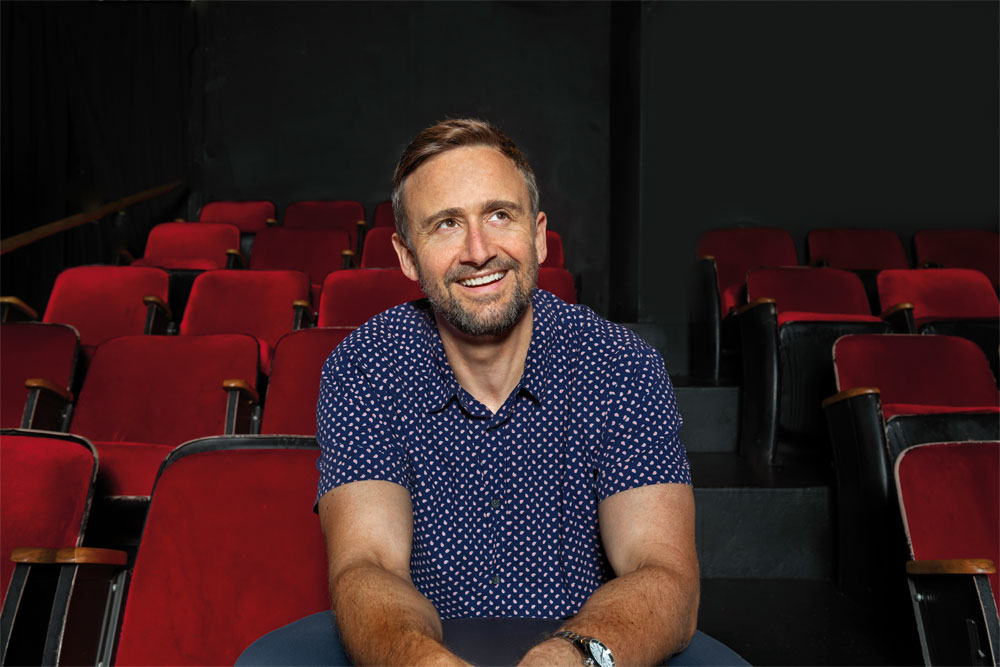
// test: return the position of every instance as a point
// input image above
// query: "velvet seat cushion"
(351, 297)
(185, 245)
(231, 550)
(103, 302)
(917, 369)
(45, 485)
(293, 390)
(248, 216)
(379, 252)
(949, 494)
(857, 249)
(737, 250)
(33, 350)
(940, 294)
(960, 248)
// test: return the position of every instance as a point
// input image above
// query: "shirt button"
(495, 503)
(495, 579)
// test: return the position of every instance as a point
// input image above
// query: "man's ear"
(407, 261)
(541, 245)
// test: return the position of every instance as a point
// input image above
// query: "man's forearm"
(643, 617)
(384, 620)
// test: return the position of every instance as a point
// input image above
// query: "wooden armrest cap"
(951, 566)
(241, 385)
(47, 385)
(20, 305)
(850, 393)
(754, 304)
(892, 310)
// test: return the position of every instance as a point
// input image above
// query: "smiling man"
(494, 452)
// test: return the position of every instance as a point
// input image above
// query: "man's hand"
(552, 653)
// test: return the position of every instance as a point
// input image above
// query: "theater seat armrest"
(271, 222)
(242, 407)
(303, 314)
(756, 303)
(951, 566)
(234, 259)
(158, 315)
(849, 393)
(348, 257)
(47, 407)
(15, 310)
(900, 318)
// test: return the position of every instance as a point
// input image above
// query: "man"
(499, 453)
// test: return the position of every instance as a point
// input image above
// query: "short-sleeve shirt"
(505, 504)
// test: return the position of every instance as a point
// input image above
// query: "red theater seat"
(102, 302)
(384, 215)
(144, 395)
(559, 282)
(379, 252)
(724, 257)
(231, 550)
(787, 331)
(896, 391)
(960, 248)
(949, 497)
(34, 350)
(46, 484)
(263, 304)
(249, 217)
(293, 390)
(185, 245)
(554, 245)
(315, 252)
(351, 297)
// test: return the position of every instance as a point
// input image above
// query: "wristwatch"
(594, 651)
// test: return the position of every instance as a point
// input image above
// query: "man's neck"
(488, 367)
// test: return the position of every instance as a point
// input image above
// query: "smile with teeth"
(482, 280)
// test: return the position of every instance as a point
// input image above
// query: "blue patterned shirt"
(505, 504)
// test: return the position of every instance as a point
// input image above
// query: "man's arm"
(383, 619)
(650, 610)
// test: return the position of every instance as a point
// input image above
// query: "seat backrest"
(810, 290)
(248, 216)
(33, 350)
(293, 390)
(378, 252)
(46, 485)
(857, 249)
(102, 302)
(939, 294)
(206, 242)
(949, 496)
(231, 549)
(738, 250)
(351, 297)
(554, 257)
(960, 248)
(328, 214)
(315, 252)
(162, 389)
(258, 303)
(559, 282)
(384, 215)
(916, 370)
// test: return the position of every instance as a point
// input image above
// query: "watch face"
(600, 654)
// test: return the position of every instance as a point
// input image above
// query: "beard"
(492, 317)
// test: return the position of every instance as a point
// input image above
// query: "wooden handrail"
(39, 233)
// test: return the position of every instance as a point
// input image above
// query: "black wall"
(646, 123)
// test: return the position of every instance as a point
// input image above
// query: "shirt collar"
(442, 386)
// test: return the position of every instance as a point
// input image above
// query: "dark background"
(646, 123)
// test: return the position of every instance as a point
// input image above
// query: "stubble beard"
(485, 319)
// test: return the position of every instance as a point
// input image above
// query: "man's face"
(474, 245)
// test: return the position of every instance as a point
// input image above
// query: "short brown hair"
(444, 136)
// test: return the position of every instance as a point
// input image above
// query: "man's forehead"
(465, 176)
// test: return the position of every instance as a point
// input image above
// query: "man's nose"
(478, 248)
